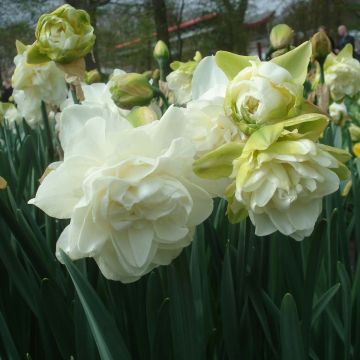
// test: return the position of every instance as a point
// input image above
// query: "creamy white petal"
(209, 81)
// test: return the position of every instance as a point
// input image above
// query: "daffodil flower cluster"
(279, 172)
(135, 182)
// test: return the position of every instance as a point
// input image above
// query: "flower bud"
(92, 76)
(156, 74)
(321, 46)
(148, 74)
(129, 90)
(281, 36)
(63, 36)
(161, 52)
(141, 115)
(354, 132)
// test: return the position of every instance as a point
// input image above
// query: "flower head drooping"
(63, 36)
(34, 83)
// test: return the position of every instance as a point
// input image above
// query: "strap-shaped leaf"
(291, 340)
(107, 336)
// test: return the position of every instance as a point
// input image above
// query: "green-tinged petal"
(346, 52)
(175, 65)
(34, 55)
(296, 61)
(308, 107)
(197, 56)
(339, 154)
(263, 138)
(20, 47)
(218, 163)
(342, 171)
(309, 126)
(288, 147)
(235, 210)
(231, 64)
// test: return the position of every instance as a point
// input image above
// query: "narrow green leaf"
(58, 316)
(107, 337)
(26, 158)
(323, 302)
(346, 307)
(291, 338)
(185, 329)
(9, 345)
(229, 312)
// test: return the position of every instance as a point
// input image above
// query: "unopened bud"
(156, 74)
(161, 52)
(148, 74)
(321, 46)
(354, 132)
(141, 115)
(129, 90)
(92, 76)
(281, 36)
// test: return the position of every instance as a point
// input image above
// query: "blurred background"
(127, 30)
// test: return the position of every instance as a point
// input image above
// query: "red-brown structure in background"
(198, 20)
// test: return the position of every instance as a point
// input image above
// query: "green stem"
(322, 74)
(159, 93)
(48, 132)
(163, 65)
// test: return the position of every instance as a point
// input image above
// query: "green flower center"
(251, 104)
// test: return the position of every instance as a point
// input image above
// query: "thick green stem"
(163, 67)
(322, 74)
(50, 144)
(160, 94)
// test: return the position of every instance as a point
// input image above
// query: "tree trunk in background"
(161, 23)
(90, 6)
(234, 18)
